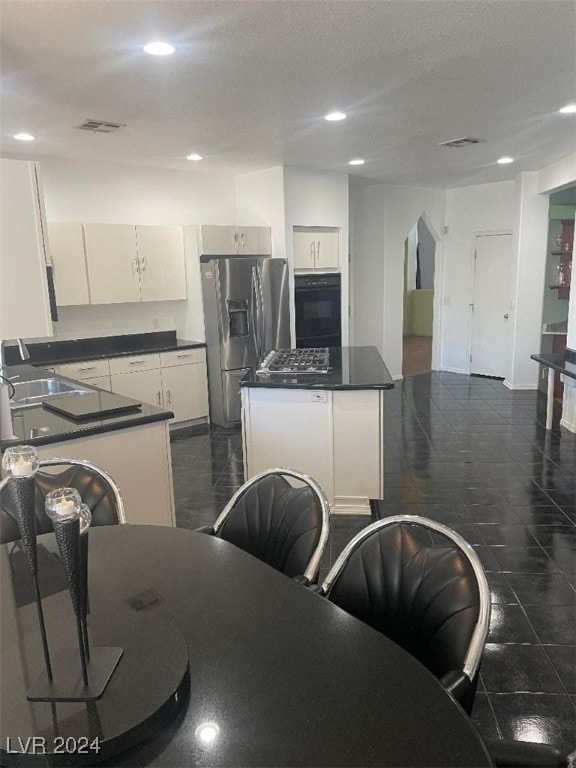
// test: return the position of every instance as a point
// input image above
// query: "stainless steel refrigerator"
(246, 314)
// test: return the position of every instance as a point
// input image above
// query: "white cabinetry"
(24, 302)
(216, 240)
(134, 263)
(175, 380)
(334, 436)
(94, 372)
(161, 263)
(184, 384)
(138, 377)
(66, 245)
(112, 261)
(316, 248)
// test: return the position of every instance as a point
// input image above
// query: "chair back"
(432, 599)
(284, 526)
(96, 488)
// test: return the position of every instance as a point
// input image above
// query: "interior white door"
(491, 305)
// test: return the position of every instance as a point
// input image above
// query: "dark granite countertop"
(54, 352)
(37, 426)
(350, 368)
(565, 362)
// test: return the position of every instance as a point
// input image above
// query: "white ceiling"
(250, 82)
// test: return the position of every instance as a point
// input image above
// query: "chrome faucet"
(24, 354)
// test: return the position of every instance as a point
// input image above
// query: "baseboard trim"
(520, 387)
(454, 370)
(568, 425)
(351, 505)
(397, 377)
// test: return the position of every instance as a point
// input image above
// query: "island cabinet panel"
(138, 459)
(336, 436)
(112, 261)
(357, 447)
(289, 428)
(161, 263)
(66, 244)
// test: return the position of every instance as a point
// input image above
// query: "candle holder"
(21, 463)
(78, 674)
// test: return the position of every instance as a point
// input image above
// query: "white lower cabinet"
(93, 372)
(185, 392)
(145, 386)
(174, 380)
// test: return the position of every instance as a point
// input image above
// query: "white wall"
(367, 245)
(125, 194)
(469, 211)
(260, 202)
(403, 207)
(319, 199)
(557, 175)
(382, 217)
(530, 237)
(560, 175)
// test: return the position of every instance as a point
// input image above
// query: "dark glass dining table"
(278, 676)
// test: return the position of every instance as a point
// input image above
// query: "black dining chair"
(282, 525)
(509, 753)
(95, 486)
(431, 598)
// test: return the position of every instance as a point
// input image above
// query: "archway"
(418, 325)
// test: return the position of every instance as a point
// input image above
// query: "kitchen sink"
(29, 393)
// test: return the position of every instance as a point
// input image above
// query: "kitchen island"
(328, 425)
(132, 446)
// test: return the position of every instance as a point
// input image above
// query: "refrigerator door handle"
(254, 313)
(262, 315)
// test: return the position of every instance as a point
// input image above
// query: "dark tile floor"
(469, 453)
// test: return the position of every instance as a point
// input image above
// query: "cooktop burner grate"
(309, 360)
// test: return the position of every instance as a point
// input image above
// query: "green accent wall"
(418, 312)
(561, 211)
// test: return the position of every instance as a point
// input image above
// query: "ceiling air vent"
(463, 142)
(100, 126)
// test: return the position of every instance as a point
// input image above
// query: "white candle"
(65, 509)
(21, 467)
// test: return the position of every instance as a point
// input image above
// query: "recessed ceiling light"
(194, 156)
(358, 161)
(24, 137)
(333, 116)
(505, 160)
(159, 49)
(569, 109)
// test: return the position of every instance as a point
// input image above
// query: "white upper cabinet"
(254, 241)
(304, 249)
(24, 302)
(66, 246)
(316, 248)
(112, 261)
(217, 240)
(134, 263)
(161, 262)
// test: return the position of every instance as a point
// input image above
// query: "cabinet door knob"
(168, 396)
(159, 397)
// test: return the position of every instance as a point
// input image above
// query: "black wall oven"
(318, 310)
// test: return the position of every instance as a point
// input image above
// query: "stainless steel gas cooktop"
(296, 361)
